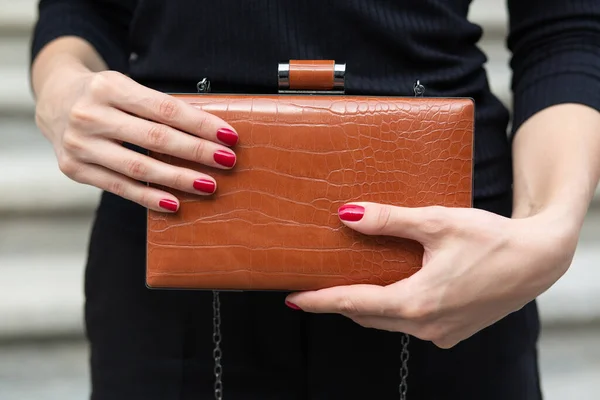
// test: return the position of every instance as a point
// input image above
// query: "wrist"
(57, 72)
(559, 221)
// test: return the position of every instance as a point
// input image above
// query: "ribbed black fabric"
(386, 45)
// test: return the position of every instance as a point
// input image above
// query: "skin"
(479, 267)
(86, 112)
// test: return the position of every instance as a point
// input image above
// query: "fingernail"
(292, 305)
(351, 212)
(168, 205)
(205, 185)
(227, 136)
(224, 158)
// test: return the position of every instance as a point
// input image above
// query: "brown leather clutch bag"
(302, 153)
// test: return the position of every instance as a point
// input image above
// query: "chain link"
(217, 353)
(404, 367)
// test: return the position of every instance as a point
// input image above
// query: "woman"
(99, 73)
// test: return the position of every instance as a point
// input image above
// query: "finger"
(167, 140)
(169, 110)
(404, 326)
(423, 224)
(110, 181)
(146, 169)
(347, 300)
(386, 324)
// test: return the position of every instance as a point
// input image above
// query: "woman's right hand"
(87, 116)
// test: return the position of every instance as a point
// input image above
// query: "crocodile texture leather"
(273, 224)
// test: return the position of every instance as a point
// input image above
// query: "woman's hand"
(477, 268)
(87, 116)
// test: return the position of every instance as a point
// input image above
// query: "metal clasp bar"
(311, 77)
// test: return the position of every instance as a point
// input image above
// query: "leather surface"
(273, 224)
(311, 74)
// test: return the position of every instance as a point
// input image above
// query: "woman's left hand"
(477, 268)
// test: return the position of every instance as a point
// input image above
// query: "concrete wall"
(45, 218)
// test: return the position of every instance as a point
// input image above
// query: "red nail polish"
(224, 158)
(351, 212)
(168, 205)
(205, 185)
(292, 305)
(227, 136)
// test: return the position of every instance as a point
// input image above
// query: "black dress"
(150, 345)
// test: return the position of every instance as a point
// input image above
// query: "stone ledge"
(35, 184)
(15, 96)
(41, 296)
(17, 16)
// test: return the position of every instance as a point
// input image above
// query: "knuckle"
(415, 313)
(110, 75)
(157, 136)
(117, 187)
(67, 165)
(202, 122)
(168, 109)
(136, 169)
(364, 322)
(39, 116)
(179, 180)
(71, 143)
(445, 343)
(435, 221)
(383, 217)
(81, 114)
(144, 199)
(100, 85)
(347, 306)
(199, 150)
(433, 332)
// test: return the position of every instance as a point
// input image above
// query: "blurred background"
(45, 221)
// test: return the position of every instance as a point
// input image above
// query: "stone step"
(17, 17)
(41, 268)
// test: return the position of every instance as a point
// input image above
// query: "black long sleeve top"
(170, 45)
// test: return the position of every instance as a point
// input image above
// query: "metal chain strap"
(404, 367)
(217, 353)
(204, 86)
(419, 91)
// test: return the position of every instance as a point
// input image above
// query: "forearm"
(88, 35)
(557, 164)
(66, 54)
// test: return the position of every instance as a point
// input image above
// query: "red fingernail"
(351, 212)
(292, 305)
(168, 205)
(224, 158)
(205, 185)
(227, 136)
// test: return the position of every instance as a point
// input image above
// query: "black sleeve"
(102, 23)
(555, 47)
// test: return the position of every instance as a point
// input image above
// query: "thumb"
(423, 224)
